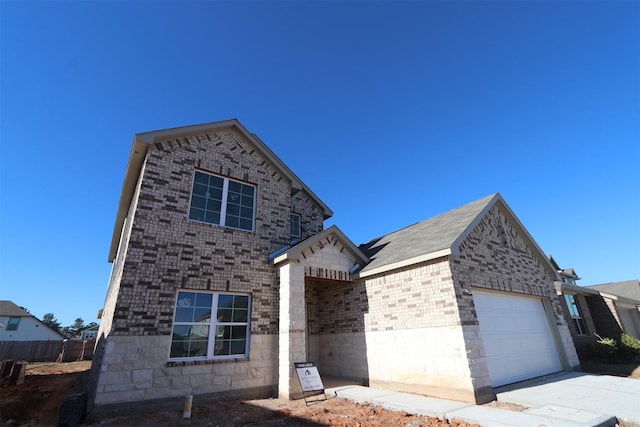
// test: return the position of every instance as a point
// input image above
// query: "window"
(296, 230)
(221, 201)
(576, 314)
(210, 326)
(13, 324)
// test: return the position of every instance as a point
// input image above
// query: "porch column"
(292, 329)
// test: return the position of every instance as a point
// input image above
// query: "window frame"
(13, 323)
(224, 202)
(293, 215)
(212, 324)
(575, 312)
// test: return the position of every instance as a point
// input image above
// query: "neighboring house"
(224, 276)
(17, 324)
(89, 333)
(623, 301)
(628, 289)
(575, 307)
(598, 311)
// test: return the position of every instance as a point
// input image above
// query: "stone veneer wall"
(135, 369)
(416, 329)
(495, 257)
(162, 252)
(400, 330)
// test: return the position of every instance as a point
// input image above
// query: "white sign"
(309, 377)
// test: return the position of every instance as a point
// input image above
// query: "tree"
(74, 330)
(50, 320)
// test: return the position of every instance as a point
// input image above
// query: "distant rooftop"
(627, 289)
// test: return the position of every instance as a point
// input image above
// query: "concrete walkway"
(572, 399)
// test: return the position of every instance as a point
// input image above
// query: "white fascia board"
(622, 301)
(283, 258)
(405, 263)
(575, 289)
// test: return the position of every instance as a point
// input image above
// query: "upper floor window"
(210, 325)
(13, 324)
(222, 201)
(576, 314)
(296, 228)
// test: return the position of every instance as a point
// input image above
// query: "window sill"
(172, 364)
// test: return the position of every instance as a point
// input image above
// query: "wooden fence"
(76, 350)
(31, 351)
(47, 351)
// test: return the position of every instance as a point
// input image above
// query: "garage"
(516, 336)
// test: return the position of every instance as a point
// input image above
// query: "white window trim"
(223, 201)
(212, 326)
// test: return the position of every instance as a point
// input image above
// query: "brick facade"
(415, 328)
(581, 341)
(412, 327)
(162, 251)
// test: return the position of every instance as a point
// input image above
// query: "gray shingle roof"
(432, 235)
(628, 289)
(7, 308)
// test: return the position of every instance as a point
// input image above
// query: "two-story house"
(224, 276)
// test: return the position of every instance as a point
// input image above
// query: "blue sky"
(391, 112)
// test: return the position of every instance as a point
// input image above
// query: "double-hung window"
(210, 326)
(576, 314)
(222, 201)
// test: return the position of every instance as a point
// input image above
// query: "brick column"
(292, 330)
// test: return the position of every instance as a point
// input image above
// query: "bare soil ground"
(37, 403)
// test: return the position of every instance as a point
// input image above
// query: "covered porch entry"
(311, 272)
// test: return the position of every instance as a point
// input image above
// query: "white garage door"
(516, 336)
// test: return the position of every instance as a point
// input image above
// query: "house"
(17, 324)
(575, 308)
(628, 289)
(597, 311)
(224, 276)
(89, 333)
(623, 302)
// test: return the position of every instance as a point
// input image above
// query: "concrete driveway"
(562, 400)
(601, 394)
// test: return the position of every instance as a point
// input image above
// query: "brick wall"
(162, 252)
(604, 316)
(494, 256)
(416, 329)
(400, 330)
(167, 252)
(580, 341)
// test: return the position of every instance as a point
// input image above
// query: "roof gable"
(138, 153)
(294, 252)
(439, 236)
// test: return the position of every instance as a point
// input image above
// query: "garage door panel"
(516, 336)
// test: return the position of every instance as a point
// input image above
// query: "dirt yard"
(37, 403)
